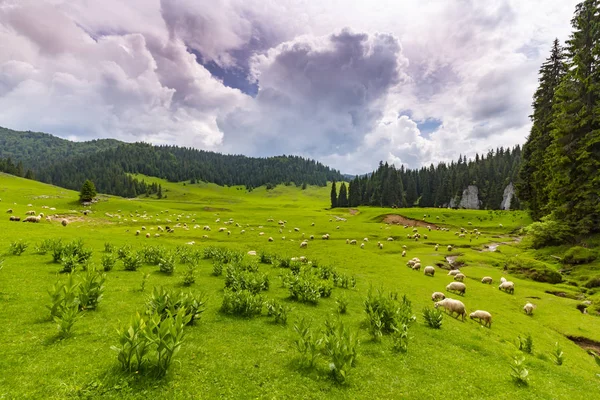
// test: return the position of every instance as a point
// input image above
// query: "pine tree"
(343, 197)
(304, 185)
(533, 180)
(88, 191)
(159, 193)
(333, 196)
(574, 155)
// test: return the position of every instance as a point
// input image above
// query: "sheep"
(449, 247)
(325, 236)
(436, 247)
(160, 228)
(429, 270)
(457, 287)
(487, 279)
(416, 267)
(64, 222)
(390, 239)
(312, 237)
(137, 233)
(261, 234)
(270, 239)
(222, 229)
(362, 245)
(157, 235)
(253, 252)
(9, 211)
(403, 253)
(528, 308)
(143, 228)
(453, 306)
(459, 277)
(204, 236)
(365, 239)
(353, 241)
(380, 246)
(482, 316)
(303, 245)
(206, 228)
(502, 280)
(32, 218)
(508, 287)
(147, 236)
(15, 218)
(191, 243)
(453, 272)
(347, 241)
(437, 296)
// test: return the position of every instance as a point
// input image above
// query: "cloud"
(333, 79)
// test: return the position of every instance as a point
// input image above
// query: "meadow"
(226, 356)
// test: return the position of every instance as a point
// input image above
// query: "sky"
(349, 83)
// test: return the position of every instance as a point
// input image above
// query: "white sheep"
(453, 306)
(312, 237)
(147, 235)
(459, 277)
(416, 267)
(502, 280)
(457, 287)
(325, 236)
(429, 270)
(252, 253)
(437, 247)
(487, 279)
(437, 296)
(449, 247)
(353, 241)
(508, 287)
(137, 233)
(482, 316)
(528, 308)
(362, 245)
(453, 272)
(403, 253)
(303, 245)
(380, 246)
(365, 239)
(390, 239)
(270, 239)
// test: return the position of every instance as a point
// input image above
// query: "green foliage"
(189, 276)
(548, 232)
(133, 345)
(153, 255)
(579, 255)
(342, 304)
(333, 195)
(533, 269)
(305, 286)
(238, 278)
(593, 282)
(168, 302)
(519, 373)
(123, 251)
(108, 261)
(341, 346)
(385, 314)
(17, 247)
(433, 317)
(525, 343)
(73, 249)
(308, 344)
(109, 247)
(46, 245)
(167, 263)
(66, 319)
(88, 191)
(400, 339)
(131, 262)
(145, 277)
(69, 263)
(63, 296)
(558, 354)
(277, 310)
(243, 303)
(217, 268)
(91, 289)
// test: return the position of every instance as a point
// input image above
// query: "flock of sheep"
(30, 216)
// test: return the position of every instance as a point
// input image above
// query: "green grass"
(229, 357)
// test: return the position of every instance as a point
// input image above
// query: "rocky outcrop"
(470, 198)
(507, 197)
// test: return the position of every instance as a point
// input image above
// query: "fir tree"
(343, 197)
(159, 193)
(333, 195)
(88, 191)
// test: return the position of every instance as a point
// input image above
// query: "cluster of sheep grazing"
(414, 263)
(33, 218)
(15, 218)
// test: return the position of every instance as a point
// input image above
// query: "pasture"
(225, 356)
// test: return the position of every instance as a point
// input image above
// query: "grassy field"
(231, 357)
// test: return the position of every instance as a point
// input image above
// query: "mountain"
(109, 162)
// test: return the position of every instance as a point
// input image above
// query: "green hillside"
(224, 356)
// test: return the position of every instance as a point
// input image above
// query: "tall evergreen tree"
(88, 191)
(574, 155)
(333, 195)
(342, 200)
(534, 177)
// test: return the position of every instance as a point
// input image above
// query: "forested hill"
(483, 182)
(108, 162)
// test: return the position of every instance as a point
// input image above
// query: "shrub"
(62, 296)
(73, 249)
(153, 255)
(558, 354)
(341, 346)
(47, 245)
(579, 255)
(165, 303)
(547, 232)
(217, 268)
(17, 248)
(385, 314)
(187, 257)
(433, 317)
(165, 335)
(189, 276)
(109, 247)
(132, 261)
(236, 279)
(525, 343)
(242, 302)
(266, 258)
(307, 343)
(69, 263)
(133, 345)
(66, 319)
(123, 251)
(341, 280)
(533, 269)
(145, 277)
(91, 290)
(519, 373)
(342, 304)
(400, 339)
(108, 261)
(593, 282)
(167, 263)
(277, 310)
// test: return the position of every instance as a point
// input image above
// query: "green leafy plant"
(217, 268)
(525, 343)
(66, 319)
(189, 276)
(308, 344)
(433, 317)
(340, 344)
(91, 289)
(62, 296)
(132, 261)
(519, 373)
(69, 263)
(558, 354)
(108, 261)
(18, 247)
(46, 245)
(238, 278)
(165, 336)
(400, 339)
(133, 345)
(385, 314)
(277, 310)
(145, 277)
(165, 302)
(241, 302)
(342, 304)
(167, 263)
(109, 247)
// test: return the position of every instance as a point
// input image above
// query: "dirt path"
(400, 220)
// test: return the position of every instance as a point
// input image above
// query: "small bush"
(342, 304)
(153, 255)
(91, 290)
(217, 268)
(533, 269)
(579, 255)
(167, 263)
(236, 279)
(548, 232)
(593, 282)
(558, 354)
(385, 314)
(525, 343)
(400, 339)
(46, 245)
(433, 317)
(17, 248)
(108, 261)
(519, 373)
(62, 296)
(73, 249)
(277, 310)
(165, 303)
(145, 277)
(109, 247)
(308, 344)
(242, 302)
(133, 345)
(189, 276)
(341, 346)
(123, 251)
(266, 258)
(131, 261)
(69, 263)
(66, 319)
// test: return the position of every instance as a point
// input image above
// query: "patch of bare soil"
(400, 220)
(585, 343)
(353, 211)
(69, 218)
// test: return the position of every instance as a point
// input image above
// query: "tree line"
(560, 177)
(434, 186)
